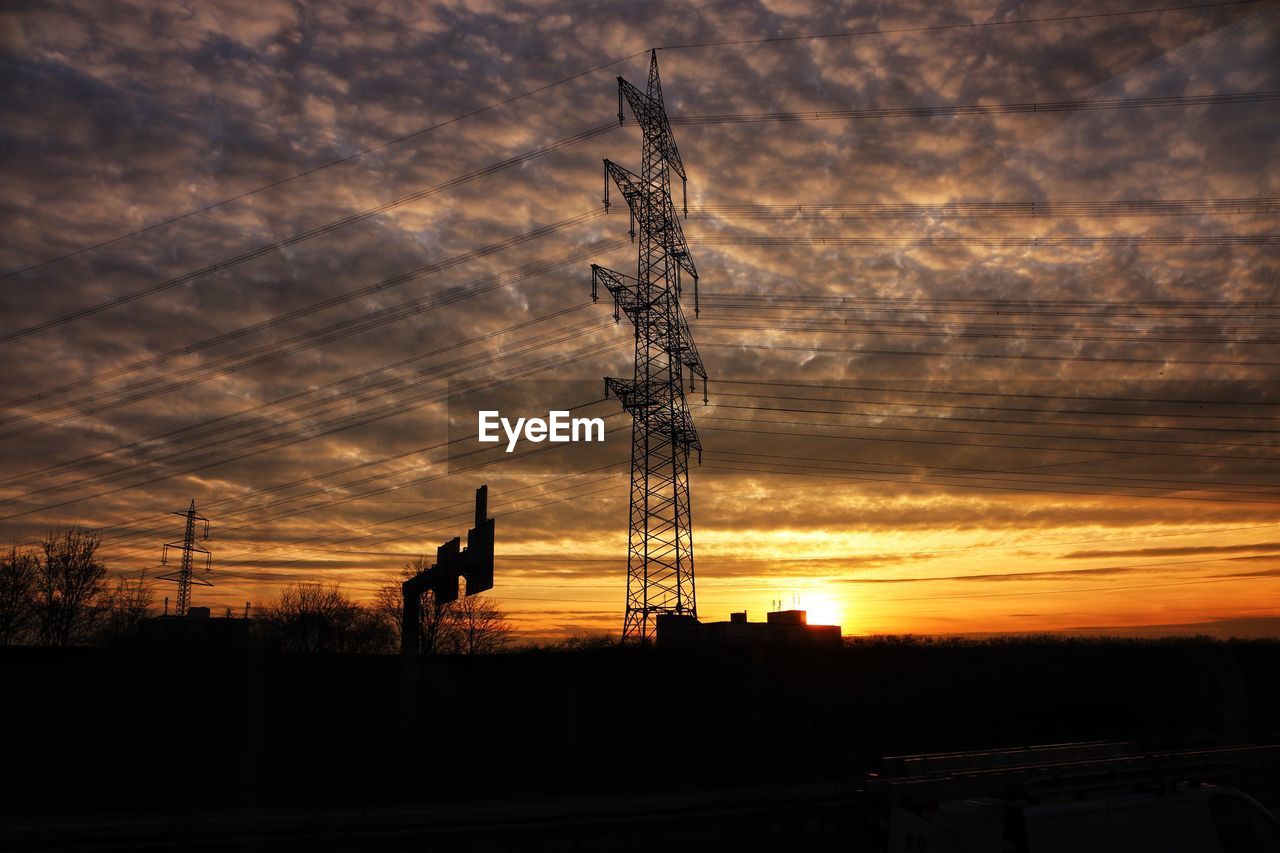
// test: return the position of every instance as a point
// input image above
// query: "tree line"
(59, 592)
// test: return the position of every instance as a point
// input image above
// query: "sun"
(822, 609)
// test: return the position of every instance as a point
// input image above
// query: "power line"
(191, 431)
(1228, 579)
(506, 101)
(1031, 107)
(1051, 241)
(966, 26)
(338, 425)
(966, 431)
(1242, 313)
(331, 546)
(1029, 435)
(116, 529)
(1105, 479)
(983, 486)
(984, 318)
(616, 486)
(330, 503)
(874, 328)
(375, 391)
(995, 318)
(332, 426)
(591, 133)
(967, 549)
(986, 420)
(199, 378)
(1056, 543)
(333, 473)
(1059, 573)
(1041, 411)
(1022, 356)
(997, 303)
(755, 300)
(978, 481)
(941, 443)
(498, 458)
(956, 430)
(244, 560)
(329, 302)
(302, 236)
(114, 532)
(265, 353)
(315, 169)
(950, 392)
(1047, 209)
(1020, 545)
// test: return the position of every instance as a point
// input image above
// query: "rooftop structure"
(782, 628)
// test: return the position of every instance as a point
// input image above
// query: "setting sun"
(822, 609)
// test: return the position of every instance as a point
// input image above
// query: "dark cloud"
(1172, 552)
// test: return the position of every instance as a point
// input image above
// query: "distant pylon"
(660, 550)
(184, 576)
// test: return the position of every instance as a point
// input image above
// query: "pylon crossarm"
(688, 353)
(686, 436)
(635, 396)
(652, 118)
(193, 580)
(674, 242)
(195, 549)
(625, 290)
(627, 182)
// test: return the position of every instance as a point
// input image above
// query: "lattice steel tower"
(660, 550)
(184, 577)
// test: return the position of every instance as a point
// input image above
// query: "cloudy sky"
(988, 297)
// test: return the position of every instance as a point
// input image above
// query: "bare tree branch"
(69, 587)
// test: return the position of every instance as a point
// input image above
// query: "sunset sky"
(975, 366)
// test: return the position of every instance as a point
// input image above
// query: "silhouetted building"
(786, 628)
(197, 628)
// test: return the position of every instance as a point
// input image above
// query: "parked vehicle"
(1071, 798)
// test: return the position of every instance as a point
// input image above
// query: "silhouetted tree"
(69, 587)
(577, 643)
(18, 573)
(126, 606)
(470, 625)
(436, 628)
(482, 628)
(315, 618)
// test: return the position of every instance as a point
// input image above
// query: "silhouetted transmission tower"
(660, 552)
(184, 576)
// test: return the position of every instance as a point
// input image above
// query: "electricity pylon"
(184, 577)
(660, 549)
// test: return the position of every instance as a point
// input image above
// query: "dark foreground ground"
(173, 747)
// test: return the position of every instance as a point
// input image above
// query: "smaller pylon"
(184, 577)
